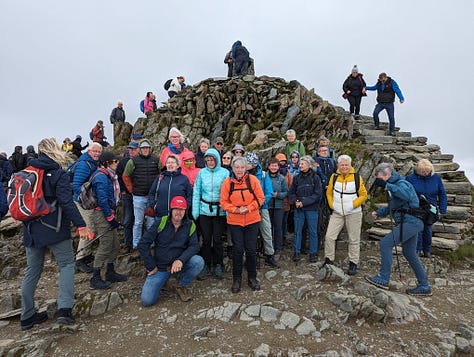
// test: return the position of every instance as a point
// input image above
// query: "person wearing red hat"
(176, 249)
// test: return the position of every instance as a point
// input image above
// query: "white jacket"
(175, 86)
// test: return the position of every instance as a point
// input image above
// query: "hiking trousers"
(353, 223)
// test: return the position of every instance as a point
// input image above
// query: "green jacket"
(294, 146)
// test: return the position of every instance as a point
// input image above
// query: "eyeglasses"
(225, 158)
(96, 151)
(174, 137)
(219, 143)
(114, 161)
(238, 151)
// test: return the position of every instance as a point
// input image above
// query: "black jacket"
(117, 115)
(56, 187)
(355, 85)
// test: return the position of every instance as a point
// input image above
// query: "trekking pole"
(393, 235)
(93, 240)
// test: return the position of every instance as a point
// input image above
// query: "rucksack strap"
(164, 220)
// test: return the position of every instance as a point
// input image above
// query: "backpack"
(86, 198)
(26, 199)
(167, 84)
(356, 179)
(142, 105)
(249, 187)
(426, 211)
(91, 134)
(72, 168)
(164, 220)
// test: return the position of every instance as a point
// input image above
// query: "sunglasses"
(219, 144)
(225, 158)
(114, 161)
(238, 151)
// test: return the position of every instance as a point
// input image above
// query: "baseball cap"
(219, 140)
(281, 157)
(133, 145)
(137, 136)
(178, 202)
(144, 144)
(108, 156)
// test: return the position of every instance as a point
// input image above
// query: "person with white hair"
(293, 145)
(118, 114)
(175, 146)
(345, 195)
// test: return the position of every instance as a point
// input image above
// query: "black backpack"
(249, 187)
(167, 84)
(356, 179)
(427, 212)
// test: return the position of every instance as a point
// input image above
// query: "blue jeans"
(390, 108)
(424, 239)
(411, 228)
(153, 283)
(128, 218)
(244, 239)
(311, 217)
(64, 255)
(139, 208)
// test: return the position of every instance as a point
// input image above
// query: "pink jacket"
(148, 104)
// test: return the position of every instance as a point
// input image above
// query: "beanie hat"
(355, 69)
(178, 202)
(252, 159)
(281, 157)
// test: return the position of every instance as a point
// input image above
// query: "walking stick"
(93, 240)
(393, 235)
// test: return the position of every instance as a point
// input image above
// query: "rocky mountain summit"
(257, 111)
(302, 310)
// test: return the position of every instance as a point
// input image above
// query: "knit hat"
(281, 157)
(355, 69)
(238, 147)
(252, 159)
(178, 202)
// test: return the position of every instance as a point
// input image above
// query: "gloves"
(150, 212)
(379, 182)
(114, 224)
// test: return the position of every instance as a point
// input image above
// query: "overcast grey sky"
(63, 64)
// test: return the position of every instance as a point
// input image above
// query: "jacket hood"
(140, 149)
(395, 177)
(351, 171)
(238, 147)
(30, 149)
(186, 155)
(213, 152)
(44, 162)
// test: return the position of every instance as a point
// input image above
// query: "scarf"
(176, 150)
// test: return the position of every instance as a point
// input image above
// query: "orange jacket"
(241, 196)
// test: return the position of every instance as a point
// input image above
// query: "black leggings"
(354, 103)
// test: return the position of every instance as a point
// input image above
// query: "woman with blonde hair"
(430, 185)
(52, 231)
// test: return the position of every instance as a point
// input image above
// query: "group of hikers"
(181, 211)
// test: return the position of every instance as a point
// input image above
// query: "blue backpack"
(142, 106)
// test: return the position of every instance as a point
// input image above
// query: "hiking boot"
(203, 274)
(254, 284)
(392, 133)
(82, 267)
(36, 319)
(296, 257)
(420, 290)
(270, 261)
(97, 283)
(65, 317)
(313, 257)
(113, 276)
(184, 294)
(377, 281)
(236, 286)
(327, 261)
(352, 269)
(170, 285)
(218, 273)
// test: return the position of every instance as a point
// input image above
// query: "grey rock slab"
(262, 351)
(306, 327)
(269, 313)
(230, 310)
(289, 319)
(253, 310)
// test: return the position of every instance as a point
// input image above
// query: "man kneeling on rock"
(175, 252)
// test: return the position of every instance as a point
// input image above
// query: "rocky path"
(300, 311)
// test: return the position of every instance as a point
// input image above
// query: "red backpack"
(25, 195)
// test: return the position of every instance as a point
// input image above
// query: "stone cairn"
(257, 111)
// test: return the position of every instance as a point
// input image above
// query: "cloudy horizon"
(64, 65)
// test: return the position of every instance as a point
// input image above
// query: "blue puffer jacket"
(103, 189)
(402, 195)
(207, 188)
(432, 188)
(171, 184)
(170, 244)
(266, 184)
(279, 186)
(56, 187)
(307, 188)
(84, 168)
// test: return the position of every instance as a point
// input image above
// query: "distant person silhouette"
(241, 58)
